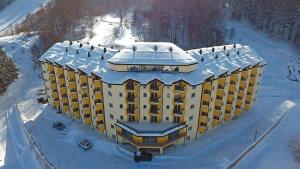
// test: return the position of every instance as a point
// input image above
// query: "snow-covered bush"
(8, 71)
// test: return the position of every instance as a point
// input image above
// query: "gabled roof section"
(152, 53)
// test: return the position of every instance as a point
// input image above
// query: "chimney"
(200, 51)
(104, 50)
(224, 47)
(80, 45)
(171, 49)
(71, 43)
(155, 48)
(134, 48)
(213, 49)
(234, 46)
(92, 47)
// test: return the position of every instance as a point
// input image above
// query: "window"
(121, 106)
(191, 118)
(167, 107)
(145, 94)
(153, 119)
(121, 117)
(109, 85)
(192, 106)
(145, 106)
(109, 93)
(167, 118)
(176, 119)
(112, 126)
(111, 105)
(190, 128)
(168, 95)
(113, 136)
(145, 117)
(111, 116)
(194, 87)
(188, 138)
(131, 118)
(121, 94)
(193, 95)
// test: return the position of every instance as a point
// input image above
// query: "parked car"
(85, 144)
(142, 156)
(58, 125)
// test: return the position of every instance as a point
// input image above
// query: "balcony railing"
(178, 111)
(179, 88)
(154, 99)
(154, 87)
(178, 100)
(130, 111)
(153, 110)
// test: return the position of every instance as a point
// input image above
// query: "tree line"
(8, 71)
(187, 23)
(280, 18)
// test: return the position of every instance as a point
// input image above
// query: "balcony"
(203, 119)
(178, 111)
(130, 99)
(217, 113)
(72, 85)
(215, 122)
(205, 97)
(204, 108)
(154, 87)
(154, 99)
(202, 129)
(179, 88)
(86, 110)
(129, 86)
(83, 79)
(237, 111)
(137, 134)
(227, 117)
(179, 100)
(206, 86)
(154, 110)
(218, 102)
(130, 111)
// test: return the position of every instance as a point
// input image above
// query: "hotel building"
(151, 95)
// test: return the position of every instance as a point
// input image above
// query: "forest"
(187, 23)
(8, 71)
(279, 18)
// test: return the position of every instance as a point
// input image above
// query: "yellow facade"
(102, 105)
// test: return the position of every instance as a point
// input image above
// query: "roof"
(210, 64)
(152, 53)
(144, 129)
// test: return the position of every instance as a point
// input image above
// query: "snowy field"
(104, 31)
(278, 97)
(17, 10)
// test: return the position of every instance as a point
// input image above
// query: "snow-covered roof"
(144, 129)
(152, 53)
(210, 64)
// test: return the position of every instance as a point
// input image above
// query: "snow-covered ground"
(104, 32)
(17, 10)
(278, 96)
(15, 151)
